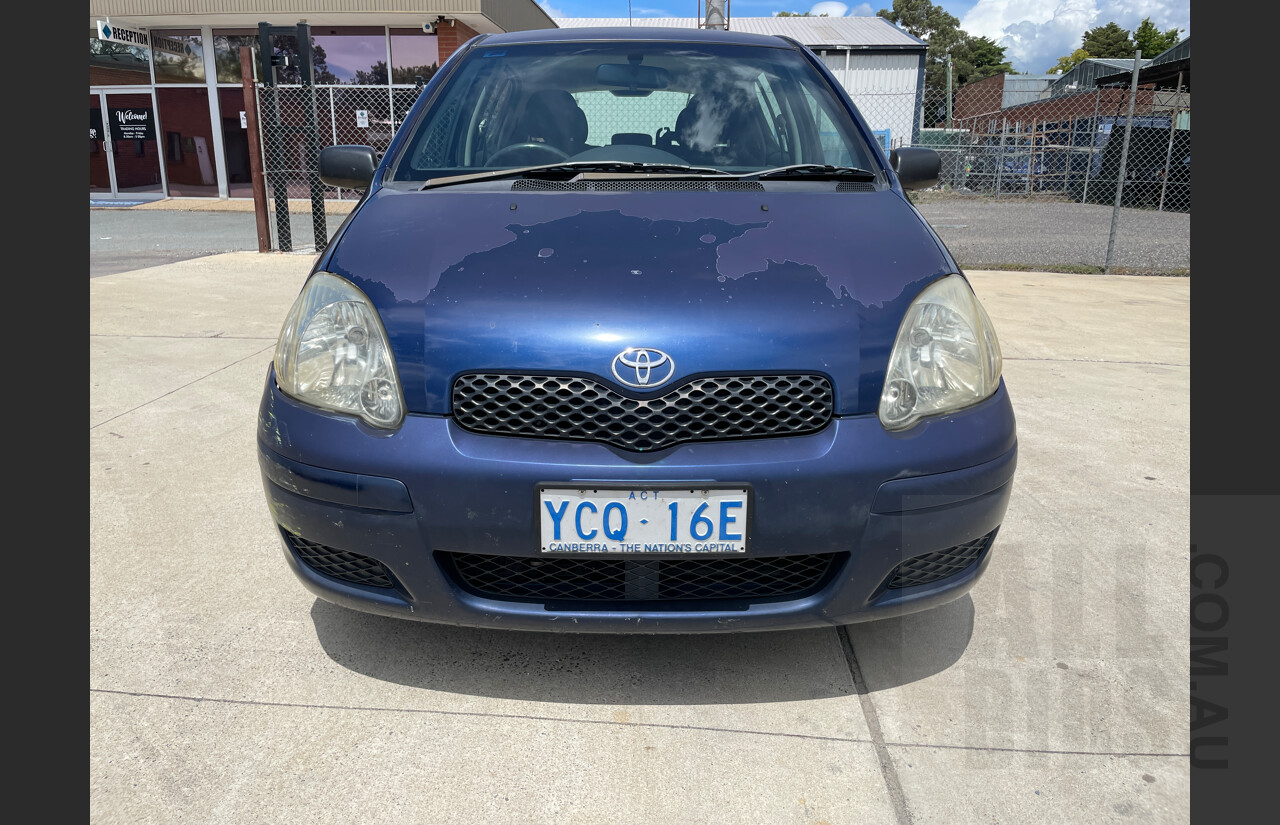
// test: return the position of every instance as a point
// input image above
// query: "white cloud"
(551, 10)
(1035, 33)
(832, 8)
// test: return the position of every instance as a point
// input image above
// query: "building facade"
(166, 98)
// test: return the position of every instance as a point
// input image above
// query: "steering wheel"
(550, 152)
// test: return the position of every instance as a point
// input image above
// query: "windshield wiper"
(813, 171)
(569, 169)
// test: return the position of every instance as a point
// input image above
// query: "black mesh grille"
(637, 185)
(855, 186)
(339, 564)
(932, 567)
(645, 579)
(704, 409)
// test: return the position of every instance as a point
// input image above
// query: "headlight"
(333, 353)
(945, 357)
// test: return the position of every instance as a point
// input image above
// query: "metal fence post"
(1031, 156)
(391, 107)
(333, 117)
(1093, 144)
(1124, 158)
(319, 226)
(1168, 152)
(272, 131)
(1004, 130)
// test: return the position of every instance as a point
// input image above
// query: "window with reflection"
(414, 54)
(117, 64)
(226, 52)
(179, 55)
(354, 55)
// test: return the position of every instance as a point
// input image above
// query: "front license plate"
(643, 519)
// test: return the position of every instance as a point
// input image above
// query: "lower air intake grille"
(652, 579)
(704, 409)
(932, 567)
(339, 564)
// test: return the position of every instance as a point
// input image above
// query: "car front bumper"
(409, 498)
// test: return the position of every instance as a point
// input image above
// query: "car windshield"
(731, 108)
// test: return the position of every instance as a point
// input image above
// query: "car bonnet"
(810, 280)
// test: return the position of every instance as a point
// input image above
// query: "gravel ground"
(983, 233)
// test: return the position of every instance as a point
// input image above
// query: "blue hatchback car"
(634, 330)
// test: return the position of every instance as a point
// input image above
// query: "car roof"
(641, 33)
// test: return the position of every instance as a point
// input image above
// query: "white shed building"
(879, 64)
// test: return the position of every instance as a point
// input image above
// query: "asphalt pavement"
(1001, 233)
(221, 691)
(126, 238)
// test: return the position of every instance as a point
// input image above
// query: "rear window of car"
(732, 107)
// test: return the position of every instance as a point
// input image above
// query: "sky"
(1035, 33)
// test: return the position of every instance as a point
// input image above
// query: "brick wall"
(451, 37)
(979, 98)
(1108, 102)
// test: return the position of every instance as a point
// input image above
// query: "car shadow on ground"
(740, 668)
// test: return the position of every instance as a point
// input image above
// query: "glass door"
(129, 146)
(101, 177)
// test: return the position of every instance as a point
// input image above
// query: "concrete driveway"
(222, 691)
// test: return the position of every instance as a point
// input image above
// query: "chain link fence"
(1068, 147)
(996, 145)
(296, 122)
(1011, 142)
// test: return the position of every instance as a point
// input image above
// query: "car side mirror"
(348, 167)
(916, 167)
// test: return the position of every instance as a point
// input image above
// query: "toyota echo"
(634, 330)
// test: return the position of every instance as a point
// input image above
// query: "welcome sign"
(134, 123)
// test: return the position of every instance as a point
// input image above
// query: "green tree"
(972, 58)
(1108, 41)
(1151, 40)
(1068, 62)
(987, 58)
(941, 31)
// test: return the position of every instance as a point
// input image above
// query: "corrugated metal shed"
(1025, 88)
(1179, 51)
(814, 32)
(1085, 75)
(1171, 68)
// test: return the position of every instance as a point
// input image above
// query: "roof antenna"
(629, 23)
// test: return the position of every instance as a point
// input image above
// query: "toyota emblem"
(643, 368)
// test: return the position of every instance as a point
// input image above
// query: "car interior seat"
(739, 141)
(553, 117)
